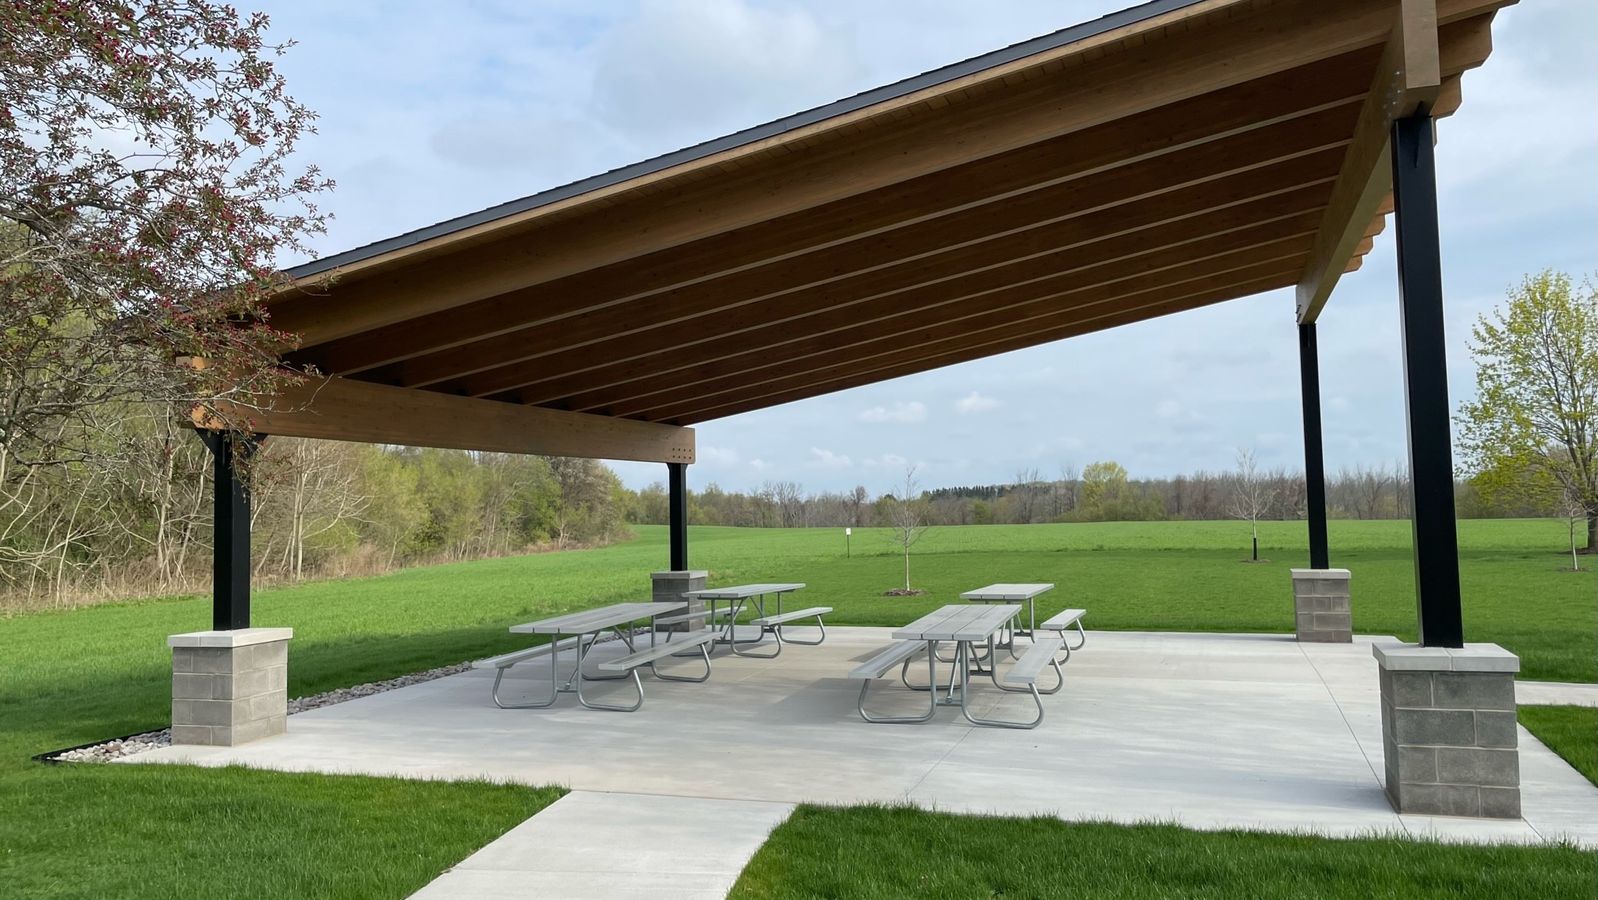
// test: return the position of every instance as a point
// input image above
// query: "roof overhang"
(1169, 157)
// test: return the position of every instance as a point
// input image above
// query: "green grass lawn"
(71, 677)
(878, 852)
(1570, 731)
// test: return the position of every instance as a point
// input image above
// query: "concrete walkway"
(597, 845)
(1555, 693)
(1203, 730)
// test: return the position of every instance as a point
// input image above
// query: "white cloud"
(899, 414)
(695, 69)
(828, 459)
(712, 454)
(1167, 409)
(973, 403)
(886, 461)
(759, 465)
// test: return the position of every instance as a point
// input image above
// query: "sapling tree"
(1251, 495)
(907, 517)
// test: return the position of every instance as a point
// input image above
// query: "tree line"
(1097, 492)
(134, 516)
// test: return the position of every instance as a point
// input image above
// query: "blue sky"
(429, 110)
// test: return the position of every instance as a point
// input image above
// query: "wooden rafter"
(343, 410)
(1410, 75)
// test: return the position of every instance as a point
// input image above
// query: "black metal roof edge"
(893, 91)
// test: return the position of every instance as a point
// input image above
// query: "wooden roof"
(1173, 156)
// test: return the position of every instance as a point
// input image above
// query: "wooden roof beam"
(781, 249)
(1103, 245)
(1284, 187)
(343, 410)
(713, 370)
(862, 157)
(950, 354)
(975, 239)
(1411, 74)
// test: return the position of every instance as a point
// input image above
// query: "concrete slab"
(599, 845)
(1204, 730)
(1555, 693)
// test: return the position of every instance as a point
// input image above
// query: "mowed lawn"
(875, 853)
(71, 677)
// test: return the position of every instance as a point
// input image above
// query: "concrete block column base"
(1321, 610)
(672, 587)
(229, 687)
(1448, 729)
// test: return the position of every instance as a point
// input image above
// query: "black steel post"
(677, 504)
(1431, 455)
(230, 529)
(1309, 370)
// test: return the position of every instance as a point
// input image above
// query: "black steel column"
(230, 529)
(1431, 455)
(677, 505)
(1309, 370)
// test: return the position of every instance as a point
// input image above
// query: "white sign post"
(846, 551)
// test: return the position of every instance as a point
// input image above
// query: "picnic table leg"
(554, 681)
(965, 709)
(638, 684)
(732, 630)
(932, 697)
(626, 639)
(704, 652)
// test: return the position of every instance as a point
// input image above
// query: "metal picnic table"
(586, 626)
(739, 596)
(964, 626)
(1012, 593)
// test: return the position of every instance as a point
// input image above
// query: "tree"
(1536, 406)
(907, 517)
(1574, 511)
(1103, 484)
(1251, 495)
(145, 197)
(855, 502)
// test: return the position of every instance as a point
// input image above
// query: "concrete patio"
(1206, 730)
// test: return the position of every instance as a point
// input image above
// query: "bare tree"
(1575, 513)
(1251, 495)
(907, 515)
(855, 501)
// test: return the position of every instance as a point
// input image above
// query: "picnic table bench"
(739, 597)
(964, 626)
(583, 630)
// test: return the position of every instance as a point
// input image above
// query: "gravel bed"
(152, 740)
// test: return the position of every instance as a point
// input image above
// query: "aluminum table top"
(958, 622)
(1007, 592)
(599, 619)
(740, 591)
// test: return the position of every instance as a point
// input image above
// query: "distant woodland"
(135, 518)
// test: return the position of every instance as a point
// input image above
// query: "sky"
(429, 110)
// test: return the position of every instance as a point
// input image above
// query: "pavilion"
(1170, 156)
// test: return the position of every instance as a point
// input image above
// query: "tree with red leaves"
(147, 192)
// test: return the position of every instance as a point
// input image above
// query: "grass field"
(73, 677)
(877, 852)
(1570, 731)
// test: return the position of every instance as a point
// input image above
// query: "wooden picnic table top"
(995, 592)
(740, 591)
(958, 622)
(600, 618)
